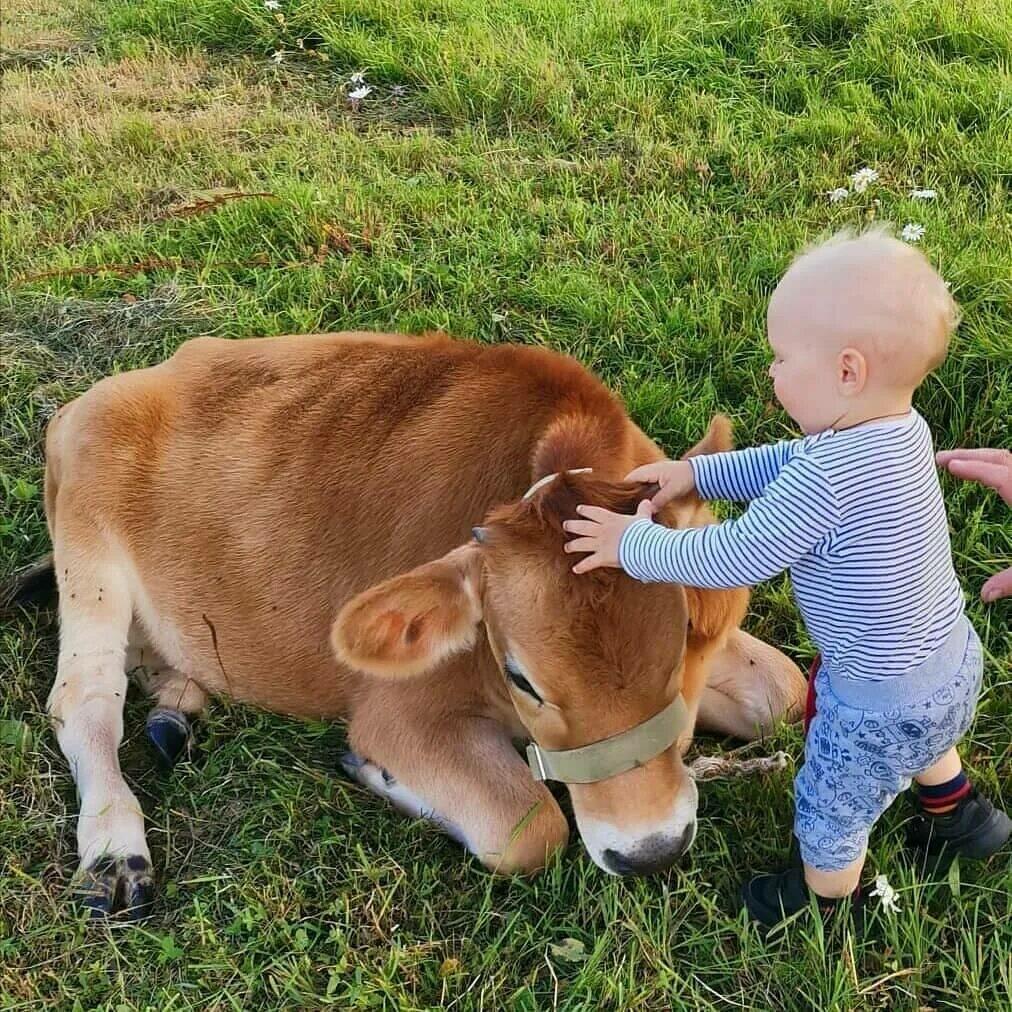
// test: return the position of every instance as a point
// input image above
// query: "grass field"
(624, 181)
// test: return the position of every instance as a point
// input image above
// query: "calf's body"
(212, 515)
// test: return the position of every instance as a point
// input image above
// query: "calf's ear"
(408, 624)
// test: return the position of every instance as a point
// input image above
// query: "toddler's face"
(804, 370)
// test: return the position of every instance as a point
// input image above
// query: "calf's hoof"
(171, 736)
(112, 886)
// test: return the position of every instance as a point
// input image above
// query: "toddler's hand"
(601, 533)
(994, 469)
(674, 476)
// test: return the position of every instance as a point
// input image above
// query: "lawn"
(624, 181)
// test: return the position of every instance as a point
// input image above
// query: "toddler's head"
(855, 325)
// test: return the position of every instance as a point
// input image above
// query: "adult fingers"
(987, 454)
(996, 476)
(1000, 585)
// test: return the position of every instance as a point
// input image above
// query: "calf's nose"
(654, 853)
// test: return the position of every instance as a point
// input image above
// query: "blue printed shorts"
(857, 759)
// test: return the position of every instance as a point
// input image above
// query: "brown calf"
(211, 516)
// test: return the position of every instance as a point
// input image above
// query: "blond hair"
(905, 284)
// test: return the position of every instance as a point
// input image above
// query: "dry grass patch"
(145, 102)
(39, 33)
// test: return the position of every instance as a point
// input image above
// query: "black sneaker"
(771, 899)
(974, 828)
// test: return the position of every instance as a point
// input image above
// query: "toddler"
(854, 509)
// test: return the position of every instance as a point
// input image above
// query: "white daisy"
(886, 894)
(272, 5)
(357, 78)
(923, 194)
(278, 56)
(861, 179)
(840, 193)
(359, 93)
(912, 232)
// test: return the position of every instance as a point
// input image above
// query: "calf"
(288, 522)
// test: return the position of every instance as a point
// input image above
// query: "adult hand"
(994, 469)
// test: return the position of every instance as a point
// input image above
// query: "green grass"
(623, 181)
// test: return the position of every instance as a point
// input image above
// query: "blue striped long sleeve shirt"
(856, 515)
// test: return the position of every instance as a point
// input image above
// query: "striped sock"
(941, 798)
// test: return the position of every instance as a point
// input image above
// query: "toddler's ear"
(852, 372)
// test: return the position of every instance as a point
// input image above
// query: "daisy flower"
(923, 194)
(272, 5)
(861, 179)
(358, 78)
(278, 55)
(886, 894)
(840, 193)
(359, 93)
(912, 232)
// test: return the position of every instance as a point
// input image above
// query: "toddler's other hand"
(674, 476)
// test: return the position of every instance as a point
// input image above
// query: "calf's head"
(585, 658)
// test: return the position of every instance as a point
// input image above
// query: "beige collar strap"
(614, 755)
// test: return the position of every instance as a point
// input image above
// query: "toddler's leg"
(839, 795)
(942, 785)
(835, 884)
(844, 786)
(946, 768)
(952, 819)
(770, 899)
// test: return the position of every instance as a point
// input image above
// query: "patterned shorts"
(858, 760)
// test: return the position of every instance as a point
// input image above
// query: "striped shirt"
(856, 515)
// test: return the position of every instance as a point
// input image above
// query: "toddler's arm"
(741, 474)
(795, 511)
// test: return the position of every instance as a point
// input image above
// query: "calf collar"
(611, 756)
